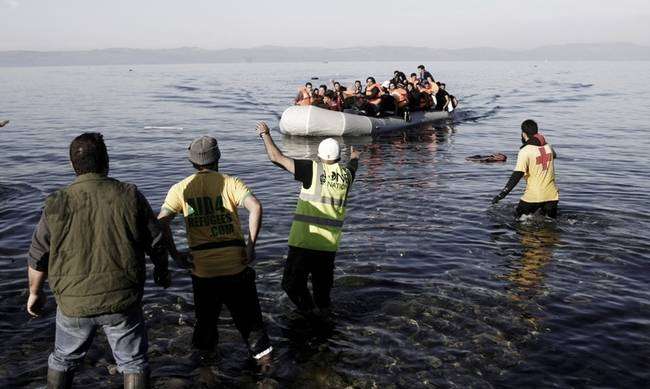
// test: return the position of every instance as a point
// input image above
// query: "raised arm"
(273, 152)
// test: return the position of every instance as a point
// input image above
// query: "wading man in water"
(535, 164)
(90, 244)
(218, 255)
(317, 222)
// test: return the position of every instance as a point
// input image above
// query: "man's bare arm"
(37, 298)
(182, 259)
(273, 152)
(254, 207)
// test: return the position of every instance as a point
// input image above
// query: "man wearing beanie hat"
(535, 164)
(317, 222)
(218, 254)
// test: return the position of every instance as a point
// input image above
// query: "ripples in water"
(434, 287)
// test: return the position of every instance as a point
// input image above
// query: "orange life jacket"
(369, 89)
(305, 97)
(401, 95)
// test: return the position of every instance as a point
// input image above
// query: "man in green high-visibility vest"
(317, 222)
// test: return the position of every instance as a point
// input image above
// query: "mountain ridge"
(272, 53)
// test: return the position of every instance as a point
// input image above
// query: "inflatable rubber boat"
(314, 121)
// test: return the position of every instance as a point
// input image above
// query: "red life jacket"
(400, 95)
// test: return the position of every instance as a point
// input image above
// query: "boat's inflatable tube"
(314, 121)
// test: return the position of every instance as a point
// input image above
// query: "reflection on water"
(528, 273)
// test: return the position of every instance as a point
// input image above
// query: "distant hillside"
(570, 52)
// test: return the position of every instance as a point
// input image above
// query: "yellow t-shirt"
(536, 162)
(209, 201)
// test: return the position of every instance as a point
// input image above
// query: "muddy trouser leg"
(207, 306)
(549, 208)
(322, 278)
(294, 279)
(240, 296)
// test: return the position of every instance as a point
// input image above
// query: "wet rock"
(112, 369)
(268, 383)
(434, 362)
(172, 383)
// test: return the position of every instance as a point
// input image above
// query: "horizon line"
(331, 48)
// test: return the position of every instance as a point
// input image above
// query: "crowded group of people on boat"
(399, 96)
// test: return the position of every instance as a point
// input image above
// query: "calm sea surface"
(434, 287)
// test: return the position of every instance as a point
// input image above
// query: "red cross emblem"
(544, 158)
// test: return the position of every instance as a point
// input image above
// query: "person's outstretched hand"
(354, 153)
(497, 198)
(262, 128)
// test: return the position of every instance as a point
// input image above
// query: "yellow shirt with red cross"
(536, 162)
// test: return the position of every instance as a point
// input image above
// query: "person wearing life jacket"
(339, 90)
(331, 101)
(353, 95)
(413, 79)
(304, 95)
(316, 98)
(414, 97)
(317, 222)
(401, 98)
(399, 78)
(373, 94)
(535, 163)
(423, 74)
(427, 101)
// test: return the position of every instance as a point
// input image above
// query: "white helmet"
(328, 150)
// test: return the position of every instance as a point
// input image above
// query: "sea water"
(434, 286)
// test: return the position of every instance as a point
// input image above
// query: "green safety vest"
(318, 220)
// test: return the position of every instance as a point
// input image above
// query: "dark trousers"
(547, 208)
(302, 263)
(239, 294)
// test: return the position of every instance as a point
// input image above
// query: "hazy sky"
(91, 24)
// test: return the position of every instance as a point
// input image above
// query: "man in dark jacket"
(90, 244)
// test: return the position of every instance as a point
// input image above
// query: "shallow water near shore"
(434, 287)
